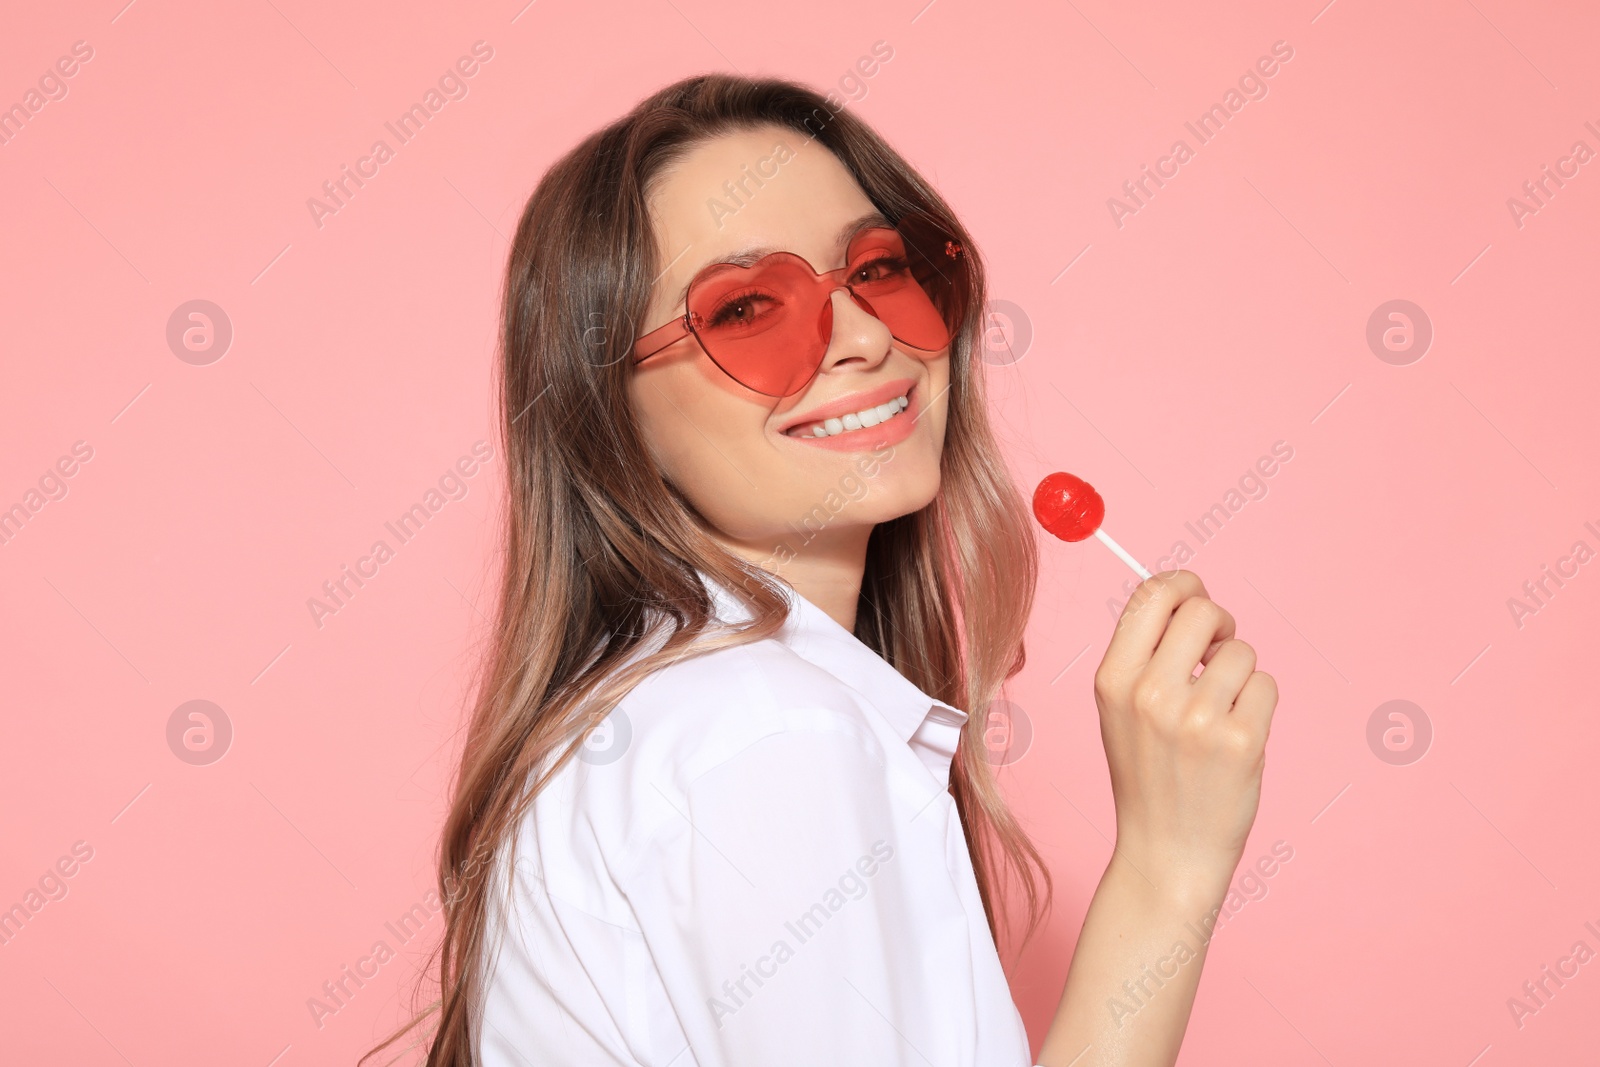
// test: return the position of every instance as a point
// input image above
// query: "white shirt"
(756, 862)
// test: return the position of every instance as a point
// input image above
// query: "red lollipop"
(1069, 507)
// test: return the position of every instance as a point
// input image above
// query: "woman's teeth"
(853, 421)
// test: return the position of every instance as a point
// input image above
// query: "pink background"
(1167, 355)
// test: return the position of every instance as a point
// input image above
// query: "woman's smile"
(860, 421)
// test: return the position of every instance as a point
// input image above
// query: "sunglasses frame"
(685, 325)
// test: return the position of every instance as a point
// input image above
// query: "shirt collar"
(930, 727)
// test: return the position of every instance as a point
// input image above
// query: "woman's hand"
(1186, 756)
(1186, 753)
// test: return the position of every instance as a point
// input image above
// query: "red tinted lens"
(768, 325)
(761, 323)
(881, 273)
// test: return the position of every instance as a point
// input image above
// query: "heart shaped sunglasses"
(767, 325)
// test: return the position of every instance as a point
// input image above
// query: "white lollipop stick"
(1122, 553)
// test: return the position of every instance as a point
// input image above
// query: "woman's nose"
(851, 329)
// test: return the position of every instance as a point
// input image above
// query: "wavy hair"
(600, 553)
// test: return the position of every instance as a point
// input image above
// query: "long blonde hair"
(601, 553)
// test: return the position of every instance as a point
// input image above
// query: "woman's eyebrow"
(747, 256)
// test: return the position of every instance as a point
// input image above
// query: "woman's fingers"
(1224, 678)
(1145, 619)
(1254, 705)
(1186, 753)
(1199, 625)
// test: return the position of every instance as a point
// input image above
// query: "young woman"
(724, 799)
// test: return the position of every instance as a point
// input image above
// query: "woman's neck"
(827, 571)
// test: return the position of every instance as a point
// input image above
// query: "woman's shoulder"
(696, 712)
(631, 780)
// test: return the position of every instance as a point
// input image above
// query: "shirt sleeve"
(802, 908)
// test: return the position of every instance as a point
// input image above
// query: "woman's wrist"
(1131, 984)
(1184, 881)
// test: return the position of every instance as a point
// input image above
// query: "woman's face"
(768, 494)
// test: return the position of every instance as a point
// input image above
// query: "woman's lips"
(890, 432)
(851, 403)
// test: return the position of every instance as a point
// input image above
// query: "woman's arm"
(1186, 756)
(1134, 974)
